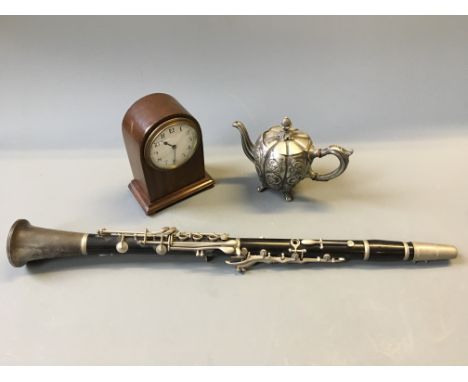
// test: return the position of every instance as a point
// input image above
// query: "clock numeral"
(163, 136)
(171, 130)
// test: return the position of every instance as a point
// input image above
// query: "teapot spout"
(247, 144)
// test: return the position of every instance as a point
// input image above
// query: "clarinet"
(27, 243)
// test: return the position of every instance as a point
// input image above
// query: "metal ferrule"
(431, 252)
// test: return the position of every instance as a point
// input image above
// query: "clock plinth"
(150, 207)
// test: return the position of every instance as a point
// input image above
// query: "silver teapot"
(283, 156)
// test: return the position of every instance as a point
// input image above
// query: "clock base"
(151, 207)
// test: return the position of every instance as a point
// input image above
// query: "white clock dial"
(173, 146)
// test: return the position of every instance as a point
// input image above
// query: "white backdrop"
(67, 81)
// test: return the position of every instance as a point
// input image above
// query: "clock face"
(172, 145)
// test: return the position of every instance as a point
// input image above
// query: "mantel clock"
(165, 148)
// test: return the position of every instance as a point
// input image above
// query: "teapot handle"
(340, 152)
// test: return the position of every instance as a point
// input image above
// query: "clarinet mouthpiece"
(430, 252)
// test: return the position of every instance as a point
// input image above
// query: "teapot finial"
(286, 123)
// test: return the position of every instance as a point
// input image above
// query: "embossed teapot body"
(283, 156)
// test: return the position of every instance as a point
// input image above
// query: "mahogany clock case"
(156, 188)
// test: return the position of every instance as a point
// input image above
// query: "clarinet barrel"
(27, 243)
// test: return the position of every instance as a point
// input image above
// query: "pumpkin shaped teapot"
(283, 156)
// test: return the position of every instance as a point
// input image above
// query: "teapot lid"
(287, 139)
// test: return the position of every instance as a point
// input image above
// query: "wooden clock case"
(153, 188)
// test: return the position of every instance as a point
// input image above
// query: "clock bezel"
(159, 129)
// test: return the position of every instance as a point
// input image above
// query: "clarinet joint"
(245, 259)
(171, 239)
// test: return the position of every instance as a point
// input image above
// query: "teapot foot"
(261, 188)
(287, 196)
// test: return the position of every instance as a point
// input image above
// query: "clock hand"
(168, 144)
